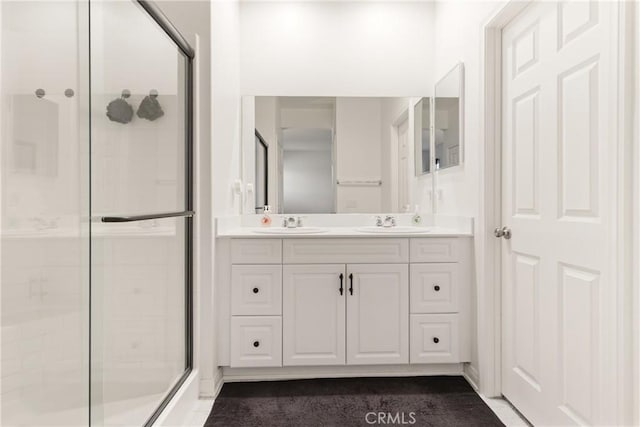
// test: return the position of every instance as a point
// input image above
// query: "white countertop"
(331, 232)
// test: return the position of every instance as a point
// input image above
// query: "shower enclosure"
(96, 212)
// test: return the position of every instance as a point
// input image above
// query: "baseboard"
(219, 382)
(310, 372)
(180, 407)
(207, 388)
(210, 388)
(470, 373)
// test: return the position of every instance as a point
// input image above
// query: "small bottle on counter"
(266, 218)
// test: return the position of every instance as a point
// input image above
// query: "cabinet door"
(377, 314)
(314, 314)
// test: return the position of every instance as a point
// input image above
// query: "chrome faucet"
(389, 221)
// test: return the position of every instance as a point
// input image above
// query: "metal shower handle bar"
(132, 218)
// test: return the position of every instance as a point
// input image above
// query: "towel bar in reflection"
(360, 183)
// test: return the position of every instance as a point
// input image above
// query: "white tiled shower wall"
(136, 284)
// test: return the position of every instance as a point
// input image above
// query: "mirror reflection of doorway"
(402, 129)
(307, 170)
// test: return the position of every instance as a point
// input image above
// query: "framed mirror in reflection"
(329, 154)
(422, 136)
(448, 119)
(262, 173)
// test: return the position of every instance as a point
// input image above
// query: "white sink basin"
(397, 229)
(297, 230)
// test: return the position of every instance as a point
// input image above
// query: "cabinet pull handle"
(256, 290)
(341, 287)
(436, 288)
(436, 340)
(256, 344)
(351, 284)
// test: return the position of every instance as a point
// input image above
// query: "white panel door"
(377, 314)
(558, 169)
(314, 314)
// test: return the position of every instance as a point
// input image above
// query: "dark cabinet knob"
(436, 288)
(256, 290)
(436, 340)
(256, 343)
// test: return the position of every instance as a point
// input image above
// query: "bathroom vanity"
(343, 300)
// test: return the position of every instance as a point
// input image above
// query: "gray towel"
(150, 108)
(120, 111)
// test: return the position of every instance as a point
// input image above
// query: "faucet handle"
(379, 221)
(389, 221)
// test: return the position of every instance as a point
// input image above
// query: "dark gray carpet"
(434, 401)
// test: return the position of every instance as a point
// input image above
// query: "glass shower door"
(141, 205)
(44, 220)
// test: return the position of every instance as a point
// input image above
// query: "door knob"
(502, 232)
(506, 232)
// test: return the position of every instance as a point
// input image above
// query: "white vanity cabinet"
(255, 278)
(355, 314)
(378, 314)
(440, 300)
(314, 316)
(344, 302)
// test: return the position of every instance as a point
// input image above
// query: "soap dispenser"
(416, 219)
(266, 218)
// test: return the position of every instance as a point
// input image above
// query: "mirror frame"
(459, 68)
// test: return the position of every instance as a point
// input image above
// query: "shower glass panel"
(95, 213)
(138, 113)
(140, 267)
(44, 205)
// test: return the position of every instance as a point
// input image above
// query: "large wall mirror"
(448, 119)
(329, 154)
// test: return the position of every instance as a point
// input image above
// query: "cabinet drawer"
(256, 251)
(435, 287)
(256, 290)
(345, 251)
(256, 341)
(435, 249)
(434, 338)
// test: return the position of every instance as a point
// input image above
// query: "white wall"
(336, 48)
(341, 49)
(459, 38)
(225, 104)
(225, 147)
(458, 35)
(358, 153)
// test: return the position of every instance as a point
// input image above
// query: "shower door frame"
(156, 14)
